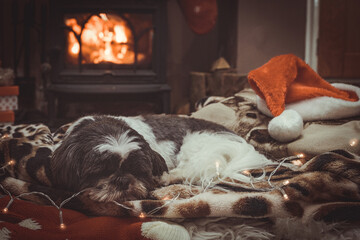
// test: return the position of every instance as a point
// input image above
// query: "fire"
(75, 48)
(104, 38)
(120, 36)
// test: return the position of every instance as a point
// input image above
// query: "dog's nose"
(123, 183)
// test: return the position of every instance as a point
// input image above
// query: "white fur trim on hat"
(321, 108)
(286, 127)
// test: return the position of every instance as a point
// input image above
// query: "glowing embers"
(105, 38)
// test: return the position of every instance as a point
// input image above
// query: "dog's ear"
(157, 161)
(158, 164)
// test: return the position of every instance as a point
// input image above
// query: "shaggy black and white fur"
(124, 158)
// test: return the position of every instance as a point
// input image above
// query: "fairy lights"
(167, 199)
(300, 155)
(6, 209)
(298, 162)
(286, 197)
(5, 136)
(62, 226)
(9, 163)
(217, 164)
(121, 205)
(353, 142)
(158, 208)
(292, 159)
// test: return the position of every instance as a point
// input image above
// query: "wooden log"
(223, 83)
(232, 83)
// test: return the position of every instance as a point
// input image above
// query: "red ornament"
(201, 15)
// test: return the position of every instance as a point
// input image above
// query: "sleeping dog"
(125, 158)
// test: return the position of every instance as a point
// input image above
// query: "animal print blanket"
(326, 187)
(240, 114)
(321, 184)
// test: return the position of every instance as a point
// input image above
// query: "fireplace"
(107, 50)
(109, 38)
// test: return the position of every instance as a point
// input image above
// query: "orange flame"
(104, 38)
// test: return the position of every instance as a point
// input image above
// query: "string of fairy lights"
(168, 200)
(296, 161)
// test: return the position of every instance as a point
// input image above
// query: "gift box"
(8, 98)
(7, 117)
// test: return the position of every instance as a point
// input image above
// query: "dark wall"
(186, 52)
(269, 28)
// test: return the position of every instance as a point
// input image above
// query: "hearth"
(107, 50)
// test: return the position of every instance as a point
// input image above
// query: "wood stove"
(107, 48)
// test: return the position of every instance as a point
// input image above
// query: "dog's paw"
(172, 177)
(175, 191)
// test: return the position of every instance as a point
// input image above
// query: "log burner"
(107, 48)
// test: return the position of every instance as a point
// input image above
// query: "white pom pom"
(286, 127)
(161, 230)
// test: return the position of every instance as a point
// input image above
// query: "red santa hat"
(287, 82)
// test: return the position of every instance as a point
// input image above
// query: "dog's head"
(109, 159)
(138, 173)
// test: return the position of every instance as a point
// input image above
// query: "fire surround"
(143, 75)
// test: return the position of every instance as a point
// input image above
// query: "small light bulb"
(62, 226)
(246, 172)
(11, 163)
(166, 198)
(142, 215)
(300, 155)
(286, 197)
(286, 182)
(353, 142)
(5, 210)
(217, 164)
(5, 136)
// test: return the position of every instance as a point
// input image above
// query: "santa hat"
(287, 82)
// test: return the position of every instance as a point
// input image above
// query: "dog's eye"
(136, 166)
(141, 172)
(102, 186)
